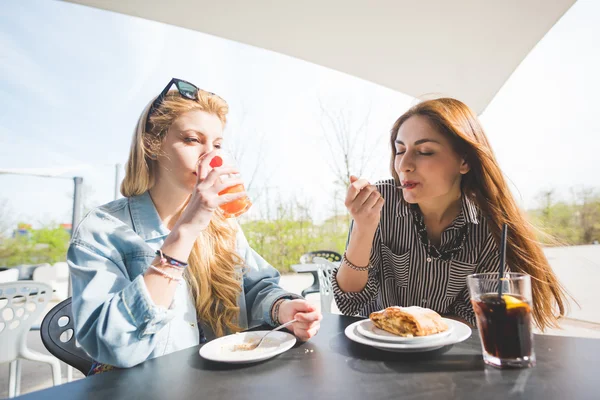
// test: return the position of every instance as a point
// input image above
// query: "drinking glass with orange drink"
(236, 207)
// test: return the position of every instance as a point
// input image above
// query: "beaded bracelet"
(166, 274)
(354, 267)
(275, 313)
(170, 261)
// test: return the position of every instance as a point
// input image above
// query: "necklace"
(433, 252)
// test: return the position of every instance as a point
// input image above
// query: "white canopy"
(461, 48)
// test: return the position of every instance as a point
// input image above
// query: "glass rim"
(489, 276)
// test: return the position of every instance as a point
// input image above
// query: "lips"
(409, 184)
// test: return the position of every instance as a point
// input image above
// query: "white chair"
(10, 275)
(47, 274)
(325, 270)
(61, 287)
(21, 304)
(61, 292)
(62, 270)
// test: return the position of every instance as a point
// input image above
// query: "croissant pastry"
(409, 321)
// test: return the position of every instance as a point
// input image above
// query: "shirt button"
(424, 301)
(192, 324)
(428, 259)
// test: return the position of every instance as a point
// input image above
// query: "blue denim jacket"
(116, 321)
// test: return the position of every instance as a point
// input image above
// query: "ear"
(464, 167)
(149, 150)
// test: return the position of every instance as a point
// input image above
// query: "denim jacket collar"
(145, 219)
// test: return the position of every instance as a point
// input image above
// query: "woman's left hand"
(308, 318)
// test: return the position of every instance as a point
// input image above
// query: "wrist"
(168, 261)
(276, 311)
(180, 242)
(187, 230)
(362, 268)
(363, 232)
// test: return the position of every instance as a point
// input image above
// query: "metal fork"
(391, 184)
(255, 345)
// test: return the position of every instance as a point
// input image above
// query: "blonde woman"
(163, 269)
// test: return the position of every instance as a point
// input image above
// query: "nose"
(208, 149)
(406, 163)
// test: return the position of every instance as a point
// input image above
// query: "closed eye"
(421, 153)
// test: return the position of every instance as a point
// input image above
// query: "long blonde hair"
(486, 186)
(211, 275)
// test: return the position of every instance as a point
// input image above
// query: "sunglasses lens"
(187, 90)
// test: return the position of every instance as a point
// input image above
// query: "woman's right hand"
(205, 197)
(364, 202)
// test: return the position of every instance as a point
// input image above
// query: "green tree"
(45, 245)
(568, 223)
(291, 232)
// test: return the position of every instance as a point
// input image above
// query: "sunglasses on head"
(186, 89)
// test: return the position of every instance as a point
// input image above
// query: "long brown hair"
(486, 186)
(213, 262)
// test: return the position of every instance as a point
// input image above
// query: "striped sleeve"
(352, 303)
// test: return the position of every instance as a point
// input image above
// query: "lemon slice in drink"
(513, 302)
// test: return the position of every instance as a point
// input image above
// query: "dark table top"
(337, 368)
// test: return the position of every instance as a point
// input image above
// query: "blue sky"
(73, 81)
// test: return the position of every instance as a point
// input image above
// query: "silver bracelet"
(354, 267)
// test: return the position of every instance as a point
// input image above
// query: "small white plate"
(460, 332)
(222, 349)
(368, 329)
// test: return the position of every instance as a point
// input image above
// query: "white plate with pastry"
(367, 329)
(407, 329)
(405, 325)
(232, 348)
(460, 332)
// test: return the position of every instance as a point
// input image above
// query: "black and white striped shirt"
(404, 274)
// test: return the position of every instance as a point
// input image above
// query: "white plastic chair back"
(61, 285)
(44, 273)
(21, 304)
(62, 271)
(325, 271)
(10, 275)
